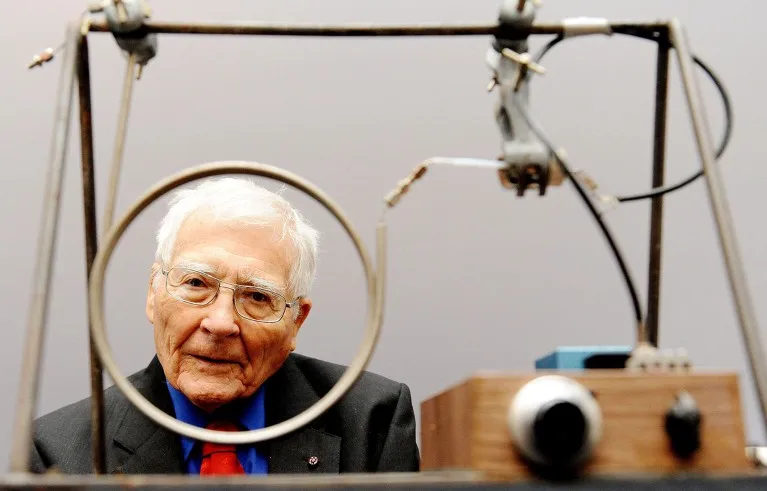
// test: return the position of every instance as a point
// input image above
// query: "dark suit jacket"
(371, 429)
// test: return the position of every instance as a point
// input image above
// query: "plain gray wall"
(478, 279)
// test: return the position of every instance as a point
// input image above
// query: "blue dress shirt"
(252, 416)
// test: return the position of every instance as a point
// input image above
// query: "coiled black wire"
(726, 103)
(609, 236)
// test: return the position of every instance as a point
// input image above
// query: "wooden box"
(465, 427)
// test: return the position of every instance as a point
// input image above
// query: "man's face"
(210, 353)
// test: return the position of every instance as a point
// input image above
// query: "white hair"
(232, 198)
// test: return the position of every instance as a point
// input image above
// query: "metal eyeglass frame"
(235, 288)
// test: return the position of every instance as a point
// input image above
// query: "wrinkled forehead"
(238, 250)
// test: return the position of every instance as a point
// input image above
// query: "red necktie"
(219, 459)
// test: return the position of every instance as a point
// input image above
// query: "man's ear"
(150, 295)
(304, 307)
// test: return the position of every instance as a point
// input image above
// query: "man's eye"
(259, 297)
(195, 282)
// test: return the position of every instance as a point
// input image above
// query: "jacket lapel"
(140, 446)
(158, 454)
(310, 449)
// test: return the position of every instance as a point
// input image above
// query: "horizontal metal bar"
(278, 29)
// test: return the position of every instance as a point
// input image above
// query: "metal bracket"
(530, 165)
(125, 19)
(514, 22)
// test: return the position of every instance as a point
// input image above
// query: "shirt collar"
(251, 414)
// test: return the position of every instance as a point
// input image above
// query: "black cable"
(545, 49)
(579, 188)
(630, 285)
(723, 143)
(594, 212)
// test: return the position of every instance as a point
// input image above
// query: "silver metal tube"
(343, 30)
(119, 149)
(26, 404)
(722, 216)
(98, 444)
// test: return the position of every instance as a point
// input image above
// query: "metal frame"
(656, 211)
(76, 65)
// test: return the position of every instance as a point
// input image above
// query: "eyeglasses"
(198, 288)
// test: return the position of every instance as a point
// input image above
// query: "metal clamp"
(125, 19)
(529, 163)
(515, 21)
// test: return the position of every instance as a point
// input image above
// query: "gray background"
(478, 279)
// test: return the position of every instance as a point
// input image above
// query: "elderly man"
(228, 293)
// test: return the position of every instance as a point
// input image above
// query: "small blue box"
(578, 357)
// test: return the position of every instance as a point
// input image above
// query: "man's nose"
(221, 317)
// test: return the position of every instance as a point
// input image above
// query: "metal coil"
(375, 290)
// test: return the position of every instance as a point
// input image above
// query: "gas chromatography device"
(568, 416)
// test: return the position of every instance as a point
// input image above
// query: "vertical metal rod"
(91, 243)
(26, 405)
(119, 150)
(98, 444)
(723, 217)
(656, 210)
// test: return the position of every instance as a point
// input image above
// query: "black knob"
(560, 432)
(683, 426)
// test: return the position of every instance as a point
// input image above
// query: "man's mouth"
(214, 360)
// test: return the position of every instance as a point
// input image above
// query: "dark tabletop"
(423, 481)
